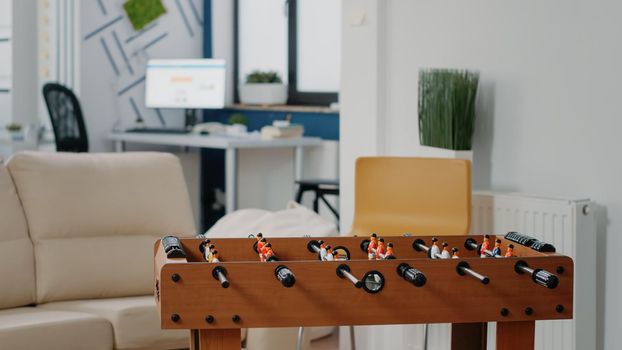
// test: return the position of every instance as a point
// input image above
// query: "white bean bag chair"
(295, 221)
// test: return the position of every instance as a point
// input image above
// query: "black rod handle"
(172, 247)
(463, 268)
(343, 271)
(285, 276)
(220, 274)
(411, 274)
(539, 276)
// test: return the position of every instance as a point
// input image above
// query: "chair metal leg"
(352, 339)
(330, 207)
(299, 194)
(301, 335)
(316, 203)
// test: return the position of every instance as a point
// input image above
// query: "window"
(300, 39)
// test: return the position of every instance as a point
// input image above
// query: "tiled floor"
(328, 343)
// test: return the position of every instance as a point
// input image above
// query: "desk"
(230, 144)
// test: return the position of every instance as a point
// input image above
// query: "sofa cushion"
(93, 219)
(135, 321)
(17, 264)
(33, 328)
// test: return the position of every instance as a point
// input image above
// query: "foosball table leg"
(215, 339)
(515, 335)
(468, 336)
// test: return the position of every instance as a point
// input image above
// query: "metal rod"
(351, 277)
(343, 270)
(220, 274)
(223, 280)
(464, 268)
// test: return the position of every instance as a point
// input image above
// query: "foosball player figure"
(268, 253)
(371, 248)
(389, 254)
(215, 257)
(445, 253)
(322, 250)
(454, 253)
(260, 245)
(336, 255)
(328, 254)
(485, 246)
(210, 252)
(381, 250)
(497, 250)
(510, 251)
(434, 250)
(205, 249)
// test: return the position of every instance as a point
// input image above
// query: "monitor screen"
(187, 83)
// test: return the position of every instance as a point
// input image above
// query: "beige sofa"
(76, 240)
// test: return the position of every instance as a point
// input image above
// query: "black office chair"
(66, 117)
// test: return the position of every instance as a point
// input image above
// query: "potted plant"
(15, 130)
(238, 124)
(263, 88)
(447, 111)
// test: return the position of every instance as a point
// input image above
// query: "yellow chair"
(422, 196)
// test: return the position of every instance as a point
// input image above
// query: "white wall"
(548, 112)
(101, 85)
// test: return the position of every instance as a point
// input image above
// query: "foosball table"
(216, 287)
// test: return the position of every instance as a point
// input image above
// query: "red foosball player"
(260, 245)
(215, 257)
(497, 250)
(445, 253)
(381, 250)
(485, 246)
(454, 254)
(434, 250)
(389, 254)
(510, 251)
(371, 248)
(267, 252)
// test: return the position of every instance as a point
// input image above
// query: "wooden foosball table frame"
(190, 295)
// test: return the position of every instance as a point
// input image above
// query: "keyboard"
(158, 130)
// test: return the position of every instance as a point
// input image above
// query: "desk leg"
(516, 335)
(468, 336)
(119, 146)
(231, 179)
(298, 161)
(215, 339)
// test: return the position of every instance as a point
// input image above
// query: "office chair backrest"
(422, 196)
(66, 117)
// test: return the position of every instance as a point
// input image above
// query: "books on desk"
(290, 131)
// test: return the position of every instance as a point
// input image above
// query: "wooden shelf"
(283, 108)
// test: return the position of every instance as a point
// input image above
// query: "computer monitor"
(185, 83)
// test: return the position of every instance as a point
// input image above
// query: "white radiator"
(567, 224)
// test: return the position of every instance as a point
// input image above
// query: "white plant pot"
(435, 152)
(263, 94)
